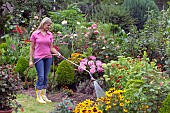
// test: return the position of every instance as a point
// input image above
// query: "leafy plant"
(65, 73)
(165, 105)
(72, 16)
(66, 106)
(9, 85)
(141, 79)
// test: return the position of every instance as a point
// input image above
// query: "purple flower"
(92, 57)
(13, 47)
(90, 63)
(92, 70)
(100, 69)
(98, 63)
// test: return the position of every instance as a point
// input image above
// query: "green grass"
(31, 106)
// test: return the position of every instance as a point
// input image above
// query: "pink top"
(42, 44)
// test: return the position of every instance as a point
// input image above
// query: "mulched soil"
(59, 95)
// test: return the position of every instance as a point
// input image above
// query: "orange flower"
(26, 41)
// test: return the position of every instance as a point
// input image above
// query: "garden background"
(125, 44)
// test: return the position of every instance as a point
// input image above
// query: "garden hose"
(99, 91)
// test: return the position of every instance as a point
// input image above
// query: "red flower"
(119, 76)
(119, 86)
(117, 81)
(22, 109)
(19, 30)
(14, 31)
(57, 48)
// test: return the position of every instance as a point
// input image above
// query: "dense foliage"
(65, 73)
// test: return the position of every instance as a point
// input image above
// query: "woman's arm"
(31, 53)
(53, 50)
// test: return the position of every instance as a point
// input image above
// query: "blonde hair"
(44, 21)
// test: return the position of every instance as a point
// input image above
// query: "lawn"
(31, 106)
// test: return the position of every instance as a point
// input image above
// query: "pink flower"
(99, 63)
(89, 28)
(117, 47)
(96, 32)
(86, 35)
(92, 70)
(94, 26)
(35, 17)
(81, 68)
(104, 41)
(13, 47)
(161, 84)
(69, 108)
(84, 61)
(100, 69)
(93, 66)
(92, 57)
(90, 63)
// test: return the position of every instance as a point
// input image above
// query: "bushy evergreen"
(65, 73)
(115, 14)
(138, 9)
(22, 65)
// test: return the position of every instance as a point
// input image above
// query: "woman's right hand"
(31, 64)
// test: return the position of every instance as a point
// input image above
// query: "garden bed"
(59, 95)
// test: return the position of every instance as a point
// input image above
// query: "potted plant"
(9, 85)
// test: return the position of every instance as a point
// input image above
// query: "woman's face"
(47, 26)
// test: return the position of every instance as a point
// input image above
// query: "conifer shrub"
(65, 73)
(22, 65)
(165, 105)
(139, 9)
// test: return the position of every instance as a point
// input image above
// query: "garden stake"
(99, 91)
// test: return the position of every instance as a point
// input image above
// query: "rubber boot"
(39, 97)
(44, 97)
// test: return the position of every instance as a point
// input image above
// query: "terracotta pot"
(6, 111)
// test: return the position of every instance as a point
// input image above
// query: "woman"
(40, 52)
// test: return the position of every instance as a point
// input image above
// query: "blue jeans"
(43, 69)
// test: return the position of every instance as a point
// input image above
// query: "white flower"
(75, 35)
(64, 22)
(78, 23)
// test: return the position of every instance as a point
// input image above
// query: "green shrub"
(57, 27)
(110, 13)
(3, 45)
(139, 9)
(22, 65)
(65, 73)
(31, 74)
(165, 105)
